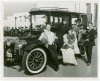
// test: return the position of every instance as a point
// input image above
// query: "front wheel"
(34, 61)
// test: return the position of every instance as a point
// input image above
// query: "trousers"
(53, 54)
(89, 53)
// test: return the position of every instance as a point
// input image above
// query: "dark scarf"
(71, 38)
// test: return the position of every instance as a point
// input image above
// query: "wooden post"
(31, 22)
(75, 7)
(95, 14)
(15, 21)
(89, 17)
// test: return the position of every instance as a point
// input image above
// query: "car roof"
(54, 10)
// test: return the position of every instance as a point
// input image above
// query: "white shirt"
(50, 36)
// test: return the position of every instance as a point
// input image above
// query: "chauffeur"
(48, 38)
(90, 42)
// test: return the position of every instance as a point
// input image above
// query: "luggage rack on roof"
(50, 9)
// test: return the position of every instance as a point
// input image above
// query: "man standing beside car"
(48, 38)
(90, 34)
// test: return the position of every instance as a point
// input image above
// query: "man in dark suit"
(62, 29)
(90, 42)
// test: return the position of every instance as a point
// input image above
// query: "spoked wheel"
(35, 61)
(83, 51)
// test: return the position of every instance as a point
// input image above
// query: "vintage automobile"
(30, 52)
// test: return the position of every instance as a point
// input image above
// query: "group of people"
(76, 41)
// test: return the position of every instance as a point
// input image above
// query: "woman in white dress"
(70, 47)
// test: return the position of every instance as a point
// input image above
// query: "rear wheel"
(34, 61)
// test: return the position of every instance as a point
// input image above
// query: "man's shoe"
(88, 64)
(20, 69)
(56, 68)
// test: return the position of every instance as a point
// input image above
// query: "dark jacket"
(91, 36)
(62, 29)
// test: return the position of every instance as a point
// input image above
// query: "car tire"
(35, 61)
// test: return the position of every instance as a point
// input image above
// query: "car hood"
(30, 39)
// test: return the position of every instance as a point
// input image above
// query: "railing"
(50, 9)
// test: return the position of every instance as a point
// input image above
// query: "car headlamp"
(8, 43)
(20, 45)
(24, 42)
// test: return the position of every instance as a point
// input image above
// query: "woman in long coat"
(90, 34)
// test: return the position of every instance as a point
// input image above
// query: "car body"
(28, 50)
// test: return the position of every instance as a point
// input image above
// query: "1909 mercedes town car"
(30, 52)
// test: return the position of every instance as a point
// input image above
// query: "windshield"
(37, 21)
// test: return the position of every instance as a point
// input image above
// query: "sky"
(10, 8)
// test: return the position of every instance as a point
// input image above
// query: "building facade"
(17, 20)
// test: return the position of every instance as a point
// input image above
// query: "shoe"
(56, 68)
(64, 64)
(20, 69)
(88, 64)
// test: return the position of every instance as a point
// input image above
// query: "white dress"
(69, 53)
(76, 48)
(68, 56)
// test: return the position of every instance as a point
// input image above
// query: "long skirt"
(69, 56)
(76, 48)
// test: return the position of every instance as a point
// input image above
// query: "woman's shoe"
(65, 64)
